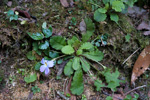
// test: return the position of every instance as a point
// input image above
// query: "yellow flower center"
(45, 63)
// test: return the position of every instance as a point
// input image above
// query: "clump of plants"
(79, 54)
(109, 8)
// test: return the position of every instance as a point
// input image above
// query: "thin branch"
(134, 89)
(130, 56)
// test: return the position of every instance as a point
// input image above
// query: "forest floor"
(15, 43)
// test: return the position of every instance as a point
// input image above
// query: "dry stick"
(130, 56)
(134, 89)
(61, 95)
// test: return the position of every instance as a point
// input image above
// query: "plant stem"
(59, 57)
(101, 64)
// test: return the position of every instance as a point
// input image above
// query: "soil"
(15, 43)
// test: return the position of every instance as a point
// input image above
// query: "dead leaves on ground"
(141, 64)
(143, 16)
(67, 3)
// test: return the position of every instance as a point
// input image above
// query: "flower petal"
(47, 71)
(50, 63)
(42, 68)
(42, 61)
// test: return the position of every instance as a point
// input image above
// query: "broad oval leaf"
(44, 45)
(57, 42)
(31, 78)
(114, 17)
(102, 10)
(85, 64)
(68, 68)
(86, 45)
(94, 55)
(67, 50)
(118, 6)
(77, 85)
(86, 36)
(36, 36)
(98, 16)
(76, 63)
(90, 26)
(53, 54)
(37, 66)
(31, 56)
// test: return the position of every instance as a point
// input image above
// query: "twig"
(61, 95)
(130, 56)
(134, 89)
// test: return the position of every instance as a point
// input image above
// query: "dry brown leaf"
(9, 3)
(82, 26)
(141, 64)
(64, 3)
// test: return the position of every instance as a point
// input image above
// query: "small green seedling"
(35, 89)
(12, 15)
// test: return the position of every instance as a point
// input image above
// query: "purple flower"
(46, 65)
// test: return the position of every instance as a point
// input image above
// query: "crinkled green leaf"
(102, 10)
(94, 55)
(130, 2)
(90, 26)
(114, 17)
(31, 56)
(14, 17)
(98, 16)
(77, 85)
(118, 6)
(79, 52)
(72, 40)
(98, 84)
(67, 49)
(86, 45)
(76, 63)
(112, 79)
(53, 54)
(37, 66)
(44, 45)
(10, 13)
(86, 36)
(36, 36)
(68, 68)
(31, 78)
(85, 64)
(57, 42)
(47, 32)
(105, 1)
